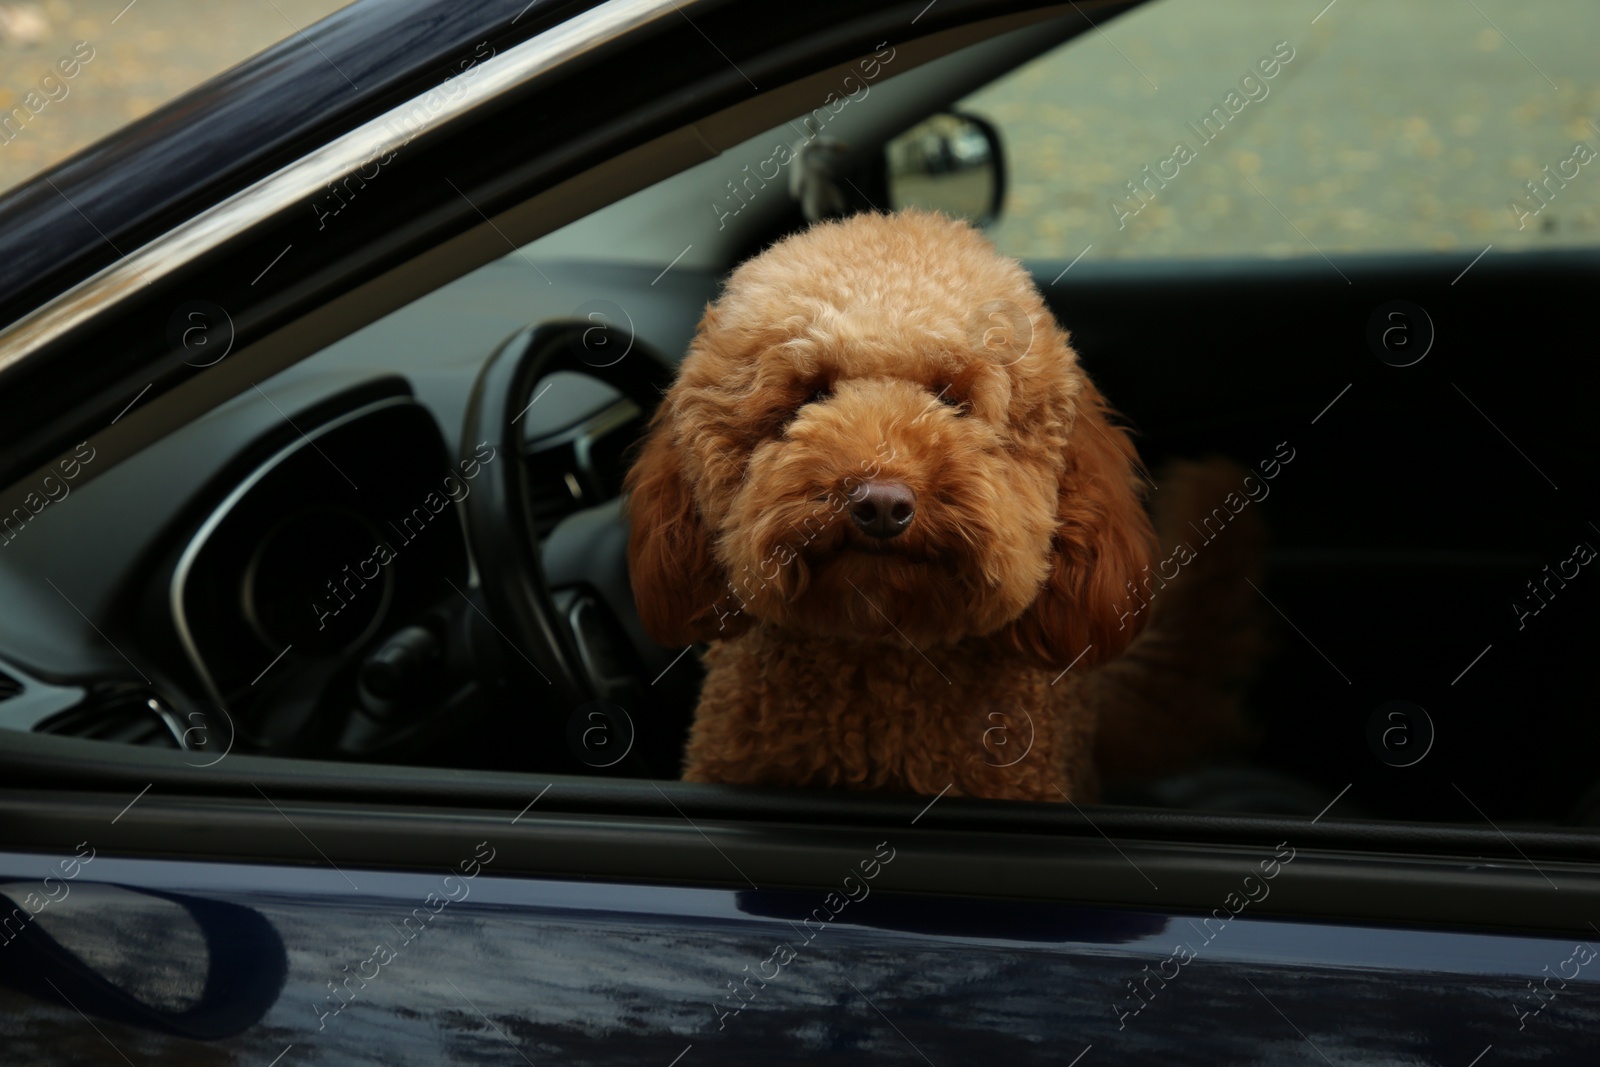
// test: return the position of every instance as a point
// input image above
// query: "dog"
(908, 525)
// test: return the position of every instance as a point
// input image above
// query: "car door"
(168, 908)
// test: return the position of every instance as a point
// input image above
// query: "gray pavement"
(142, 55)
(1397, 124)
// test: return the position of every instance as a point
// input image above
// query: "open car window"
(1399, 620)
(1396, 608)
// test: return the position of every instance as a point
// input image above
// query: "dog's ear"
(680, 590)
(1103, 540)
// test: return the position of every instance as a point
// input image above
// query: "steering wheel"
(499, 517)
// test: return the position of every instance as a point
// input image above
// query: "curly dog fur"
(881, 350)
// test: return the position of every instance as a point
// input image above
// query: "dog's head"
(880, 432)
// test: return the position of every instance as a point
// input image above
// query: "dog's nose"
(883, 507)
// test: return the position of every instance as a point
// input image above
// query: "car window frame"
(71, 783)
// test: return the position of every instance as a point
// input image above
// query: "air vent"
(129, 717)
(9, 686)
(554, 491)
(579, 467)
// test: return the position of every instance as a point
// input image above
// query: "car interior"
(408, 547)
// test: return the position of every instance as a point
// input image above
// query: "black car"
(317, 389)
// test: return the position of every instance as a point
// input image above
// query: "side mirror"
(948, 162)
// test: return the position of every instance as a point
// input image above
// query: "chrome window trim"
(309, 175)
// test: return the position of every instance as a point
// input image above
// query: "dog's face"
(880, 433)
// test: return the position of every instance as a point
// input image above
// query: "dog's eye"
(818, 395)
(948, 398)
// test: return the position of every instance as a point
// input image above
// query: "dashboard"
(290, 573)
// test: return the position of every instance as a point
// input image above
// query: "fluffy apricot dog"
(887, 495)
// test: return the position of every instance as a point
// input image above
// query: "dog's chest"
(843, 713)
